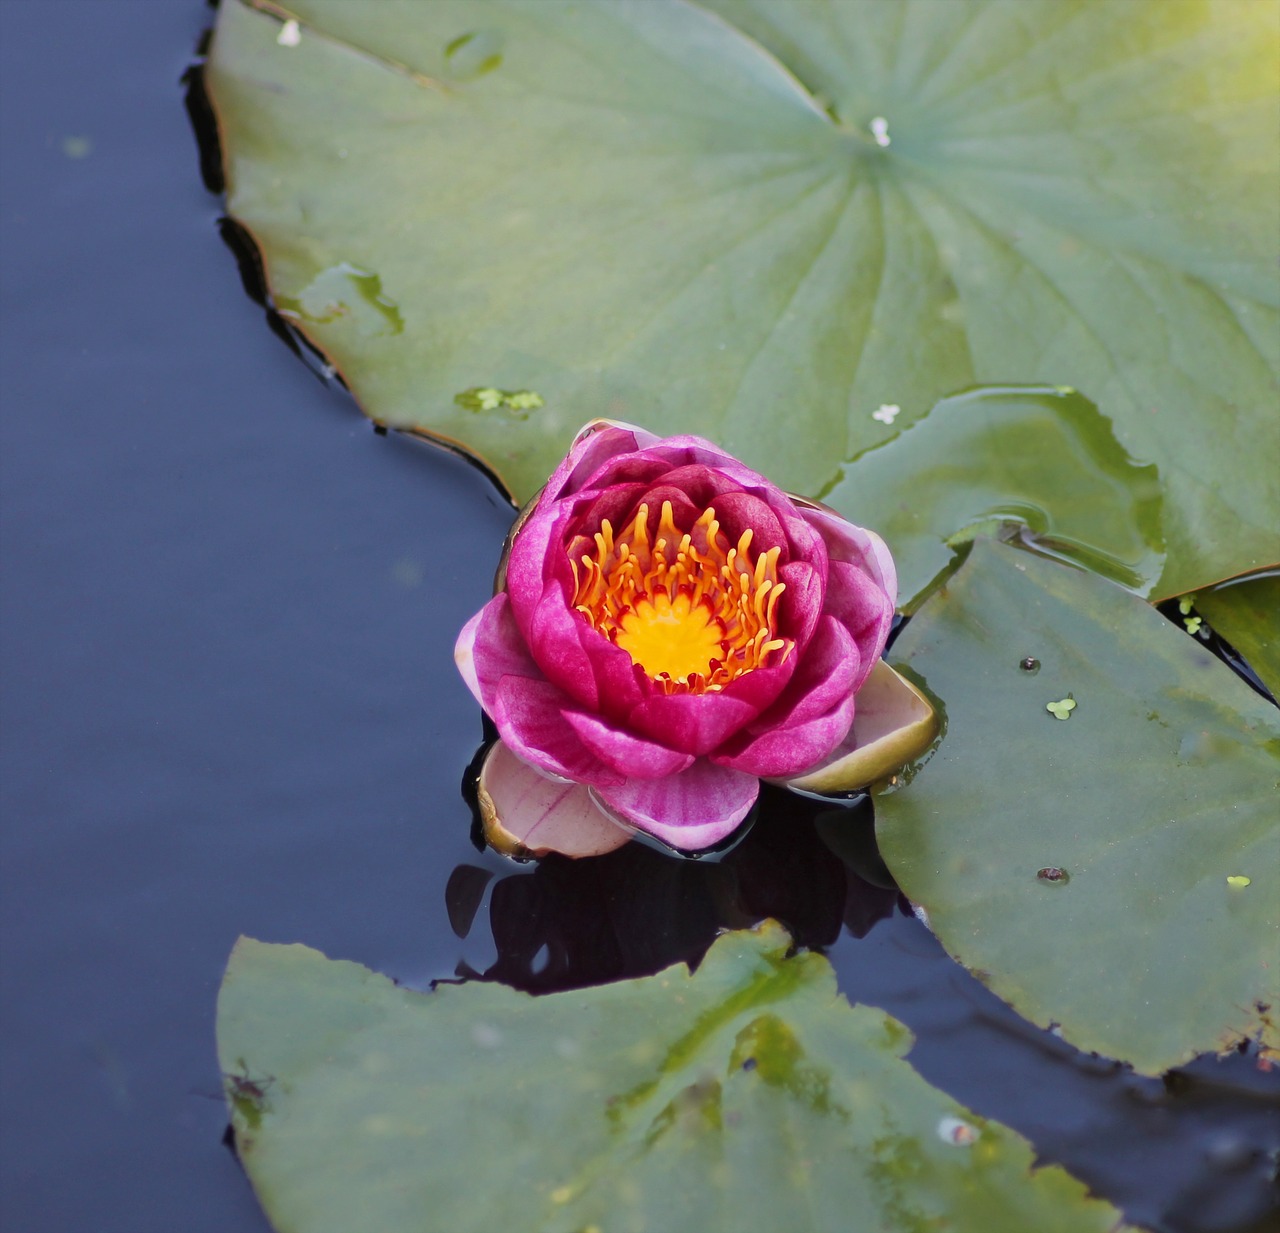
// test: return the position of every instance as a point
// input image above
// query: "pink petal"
(830, 669)
(489, 648)
(582, 661)
(527, 708)
(690, 811)
(595, 444)
(698, 723)
(782, 752)
(860, 547)
(859, 604)
(739, 511)
(530, 717)
(523, 813)
(630, 755)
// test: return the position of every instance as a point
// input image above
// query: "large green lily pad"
(767, 222)
(1038, 457)
(1115, 866)
(748, 1097)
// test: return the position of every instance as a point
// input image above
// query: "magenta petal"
(527, 708)
(523, 813)
(530, 717)
(830, 670)
(691, 811)
(802, 602)
(780, 753)
(595, 444)
(858, 546)
(696, 722)
(489, 648)
(862, 608)
(630, 755)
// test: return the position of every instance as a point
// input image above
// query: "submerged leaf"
(748, 1096)
(1153, 797)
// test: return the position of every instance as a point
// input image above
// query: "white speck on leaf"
(953, 1130)
(880, 130)
(290, 34)
(887, 413)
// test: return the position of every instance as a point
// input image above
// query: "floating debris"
(1061, 709)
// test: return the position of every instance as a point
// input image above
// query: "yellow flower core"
(691, 610)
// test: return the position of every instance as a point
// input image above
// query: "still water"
(229, 707)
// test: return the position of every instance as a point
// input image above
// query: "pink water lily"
(669, 628)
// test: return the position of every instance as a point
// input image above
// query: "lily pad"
(747, 1096)
(1247, 615)
(773, 222)
(1039, 457)
(1083, 873)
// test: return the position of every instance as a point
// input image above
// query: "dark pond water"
(229, 707)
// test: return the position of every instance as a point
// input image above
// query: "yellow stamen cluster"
(691, 610)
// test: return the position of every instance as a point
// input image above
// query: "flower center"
(691, 610)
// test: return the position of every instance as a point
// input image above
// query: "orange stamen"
(693, 612)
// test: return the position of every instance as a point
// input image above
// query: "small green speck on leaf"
(1061, 709)
(1238, 880)
(489, 398)
(1193, 624)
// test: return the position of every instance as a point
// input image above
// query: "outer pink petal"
(690, 811)
(489, 648)
(527, 708)
(783, 752)
(525, 813)
(859, 604)
(846, 542)
(831, 670)
(630, 755)
(530, 717)
(595, 444)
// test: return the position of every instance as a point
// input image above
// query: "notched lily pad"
(1041, 458)
(747, 1095)
(1160, 789)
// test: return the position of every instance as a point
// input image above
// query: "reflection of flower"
(671, 627)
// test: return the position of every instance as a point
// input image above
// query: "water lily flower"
(668, 628)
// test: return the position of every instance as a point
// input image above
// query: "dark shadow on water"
(561, 924)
